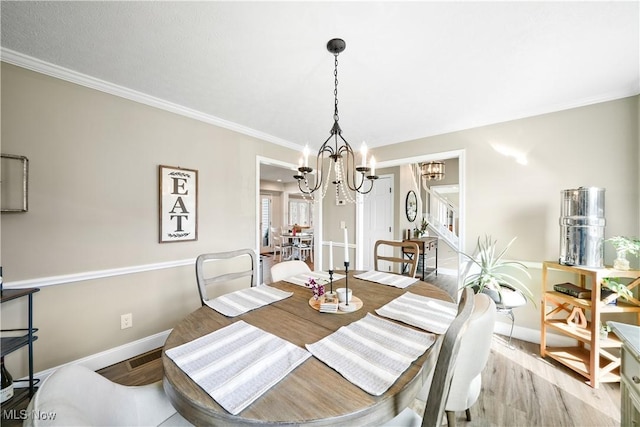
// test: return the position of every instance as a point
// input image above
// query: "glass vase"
(621, 262)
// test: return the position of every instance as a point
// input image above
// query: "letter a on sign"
(178, 204)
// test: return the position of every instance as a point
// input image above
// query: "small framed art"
(178, 204)
(14, 183)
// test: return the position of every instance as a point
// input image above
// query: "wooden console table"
(425, 244)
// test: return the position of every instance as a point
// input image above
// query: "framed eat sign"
(178, 204)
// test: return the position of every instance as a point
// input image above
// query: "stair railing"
(443, 217)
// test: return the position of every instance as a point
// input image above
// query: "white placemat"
(239, 302)
(372, 353)
(238, 363)
(425, 313)
(303, 278)
(389, 279)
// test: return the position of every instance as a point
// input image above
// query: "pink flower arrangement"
(317, 288)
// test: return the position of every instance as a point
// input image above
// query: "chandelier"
(339, 159)
(432, 171)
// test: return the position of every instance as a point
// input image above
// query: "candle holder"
(330, 297)
(344, 306)
(330, 279)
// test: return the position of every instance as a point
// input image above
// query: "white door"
(377, 219)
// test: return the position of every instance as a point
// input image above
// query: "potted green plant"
(623, 246)
(422, 230)
(612, 286)
(488, 272)
(604, 331)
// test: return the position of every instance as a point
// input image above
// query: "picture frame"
(15, 183)
(178, 203)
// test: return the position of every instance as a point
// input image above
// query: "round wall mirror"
(411, 206)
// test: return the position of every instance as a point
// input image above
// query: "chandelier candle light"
(341, 158)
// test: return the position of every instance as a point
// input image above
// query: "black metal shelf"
(9, 294)
(20, 338)
(11, 344)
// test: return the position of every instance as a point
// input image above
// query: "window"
(300, 212)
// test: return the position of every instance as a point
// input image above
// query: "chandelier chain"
(335, 90)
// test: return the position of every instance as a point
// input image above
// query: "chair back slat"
(204, 280)
(227, 277)
(406, 247)
(441, 383)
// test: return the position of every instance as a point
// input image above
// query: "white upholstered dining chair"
(239, 264)
(282, 270)
(79, 396)
(472, 358)
(443, 371)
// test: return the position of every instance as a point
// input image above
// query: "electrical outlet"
(343, 225)
(126, 321)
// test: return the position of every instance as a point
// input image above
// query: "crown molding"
(24, 61)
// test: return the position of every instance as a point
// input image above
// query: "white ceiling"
(410, 69)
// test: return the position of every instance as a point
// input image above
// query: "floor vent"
(138, 361)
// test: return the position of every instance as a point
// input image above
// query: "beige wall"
(597, 145)
(93, 200)
(93, 205)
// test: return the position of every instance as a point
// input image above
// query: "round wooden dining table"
(313, 393)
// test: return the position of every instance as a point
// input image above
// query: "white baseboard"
(447, 271)
(113, 355)
(533, 335)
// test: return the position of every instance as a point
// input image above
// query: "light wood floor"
(518, 387)
(521, 389)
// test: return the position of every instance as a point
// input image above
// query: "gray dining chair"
(237, 265)
(405, 247)
(443, 371)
